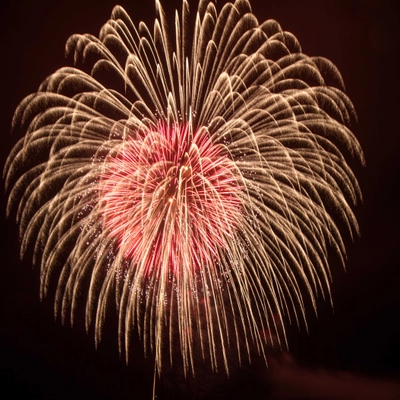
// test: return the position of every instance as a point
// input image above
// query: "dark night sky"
(43, 360)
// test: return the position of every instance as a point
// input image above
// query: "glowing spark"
(199, 182)
(171, 200)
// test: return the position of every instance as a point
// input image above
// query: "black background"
(40, 358)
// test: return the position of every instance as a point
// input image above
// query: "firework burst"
(194, 181)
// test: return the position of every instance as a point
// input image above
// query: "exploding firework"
(196, 182)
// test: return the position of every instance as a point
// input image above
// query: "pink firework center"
(171, 198)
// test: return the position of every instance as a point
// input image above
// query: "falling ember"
(172, 199)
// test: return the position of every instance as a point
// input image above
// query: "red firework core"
(171, 198)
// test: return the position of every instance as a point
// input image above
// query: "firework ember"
(172, 200)
(195, 180)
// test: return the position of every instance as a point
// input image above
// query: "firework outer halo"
(279, 181)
